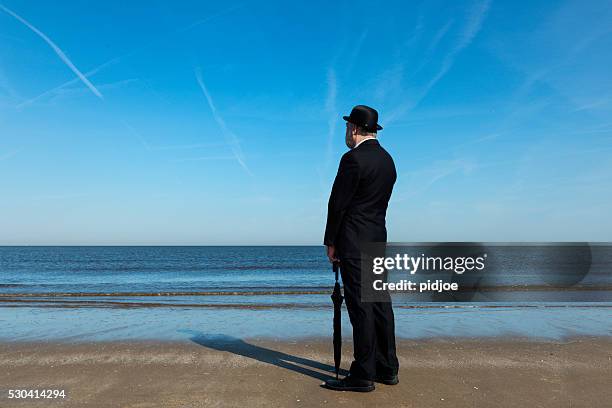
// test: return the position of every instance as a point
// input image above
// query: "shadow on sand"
(240, 347)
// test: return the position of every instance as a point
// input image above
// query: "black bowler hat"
(365, 117)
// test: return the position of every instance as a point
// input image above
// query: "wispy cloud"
(562, 42)
(330, 109)
(230, 137)
(136, 133)
(9, 155)
(472, 26)
(599, 103)
(203, 158)
(352, 58)
(209, 18)
(7, 86)
(422, 179)
(55, 48)
(186, 146)
(417, 32)
(435, 41)
(150, 148)
(60, 196)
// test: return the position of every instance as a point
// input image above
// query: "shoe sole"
(387, 382)
(354, 389)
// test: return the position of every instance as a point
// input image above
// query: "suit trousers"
(373, 327)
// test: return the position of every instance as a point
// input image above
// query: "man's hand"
(331, 254)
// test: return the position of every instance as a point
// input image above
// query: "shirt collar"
(367, 138)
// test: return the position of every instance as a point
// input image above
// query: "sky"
(210, 123)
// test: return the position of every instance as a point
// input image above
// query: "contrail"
(472, 27)
(433, 45)
(211, 17)
(203, 158)
(8, 155)
(117, 59)
(186, 146)
(65, 84)
(5, 84)
(355, 53)
(151, 148)
(230, 137)
(55, 48)
(330, 108)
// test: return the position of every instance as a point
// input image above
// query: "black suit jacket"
(359, 198)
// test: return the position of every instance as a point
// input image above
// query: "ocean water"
(169, 293)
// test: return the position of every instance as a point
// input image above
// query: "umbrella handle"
(335, 268)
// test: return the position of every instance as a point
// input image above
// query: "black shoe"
(387, 379)
(349, 383)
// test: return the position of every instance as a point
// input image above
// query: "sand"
(266, 373)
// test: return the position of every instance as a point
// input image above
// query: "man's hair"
(364, 132)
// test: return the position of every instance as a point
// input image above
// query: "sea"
(97, 293)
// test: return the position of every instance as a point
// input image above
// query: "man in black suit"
(356, 214)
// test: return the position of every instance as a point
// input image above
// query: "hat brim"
(347, 118)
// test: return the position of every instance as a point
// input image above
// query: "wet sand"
(222, 371)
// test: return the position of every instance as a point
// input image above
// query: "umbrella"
(337, 298)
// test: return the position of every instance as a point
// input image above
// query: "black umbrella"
(337, 298)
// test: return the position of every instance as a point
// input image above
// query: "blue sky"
(210, 123)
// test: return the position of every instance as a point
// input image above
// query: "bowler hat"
(365, 117)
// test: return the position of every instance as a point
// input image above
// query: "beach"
(252, 327)
(220, 372)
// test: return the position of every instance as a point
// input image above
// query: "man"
(356, 213)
